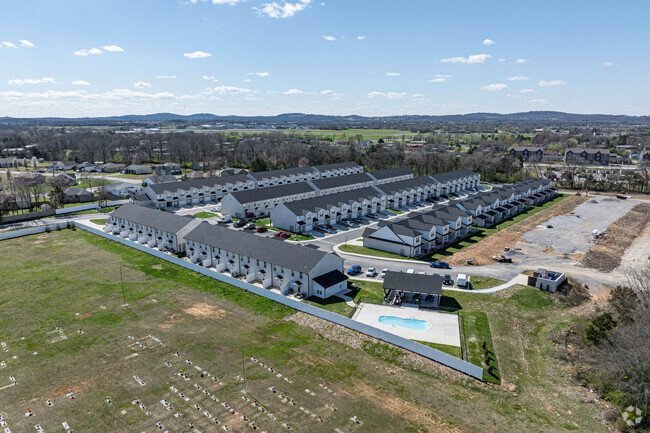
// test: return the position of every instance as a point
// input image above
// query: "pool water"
(420, 325)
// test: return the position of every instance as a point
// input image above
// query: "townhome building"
(260, 201)
(304, 215)
(395, 238)
(284, 176)
(457, 181)
(338, 169)
(405, 192)
(333, 185)
(137, 169)
(196, 191)
(165, 178)
(167, 168)
(150, 227)
(273, 264)
(578, 155)
(123, 189)
(527, 153)
(390, 175)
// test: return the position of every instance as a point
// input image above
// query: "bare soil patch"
(84, 316)
(482, 252)
(204, 310)
(608, 251)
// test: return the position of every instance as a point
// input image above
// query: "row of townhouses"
(267, 261)
(425, 232)
(203, 190)
(363, 198)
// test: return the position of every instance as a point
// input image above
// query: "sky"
(75, 58)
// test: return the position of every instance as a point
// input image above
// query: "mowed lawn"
(71, 280)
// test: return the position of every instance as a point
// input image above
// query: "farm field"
(67, 284)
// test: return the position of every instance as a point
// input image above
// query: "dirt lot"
(608, 251)
(483, 251)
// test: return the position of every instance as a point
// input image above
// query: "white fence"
(88, 206)
(426, 351)
(31, 231)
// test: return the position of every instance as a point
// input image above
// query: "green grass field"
(205, 215)
(99, 221)
(358, 249)
(71, 280)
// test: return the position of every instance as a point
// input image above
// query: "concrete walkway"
(519, 279)
(348, 300)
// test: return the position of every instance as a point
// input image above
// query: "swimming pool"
(420, 325)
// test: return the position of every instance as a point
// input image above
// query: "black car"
(240, 223)
(447, 281)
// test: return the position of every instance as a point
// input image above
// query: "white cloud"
(23, 81)
(247, 80)
(262, 74)
(361, 37)
(494, 87)
(141, 84)
(609, 64)
(230, 90)
(528, 91)
(166, 77)
(80, 83)
(329, 38)
(553, 83)
(473, 59)
(293, 92)
(392, 74)
(209, 77)
(541, 101)
(522, 61)
(113, 49)
(9, 44)
(197, 55)
(326, 92)
(488, 42)
(417, 95)
(389, 95)
(26, 43)
(275, 10)
(89, 52)
(501, 60)
(518, 78)
(439, 79)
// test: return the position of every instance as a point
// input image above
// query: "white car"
(383, 272)
(410, 271)
(422, 273)
(371, 272)
(224, 219)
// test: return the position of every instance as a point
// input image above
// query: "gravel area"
(572, 234)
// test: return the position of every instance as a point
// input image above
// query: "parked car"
(345, 223)
(358, 220)
(240, 223)
(462, 280)
(250, 226)
(372, 215)
(330, 227)
(371, 272)
(436, 275)
(354, 270)
(224, 219)
(214, 209)
(250, 215)
(261, 230)
(383, 272)
(440, 265)
(422, 273)
(325, 229)
(447, 281)
(410, 271)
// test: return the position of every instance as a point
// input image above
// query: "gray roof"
(453, 175)
(401, 185)
(301, 207)
(528, 148)
(276, 252)
(77, 191)
(399, 228)
(253, 195)
(165, 178)
(587, 150)
(209, 182)
(413, 283)
(261, 175)
(157, 219)
(390, 172)
(335, 182)
(336, 166)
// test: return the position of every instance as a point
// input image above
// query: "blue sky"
(265, 57)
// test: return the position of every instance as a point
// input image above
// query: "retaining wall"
(426, 351)
(32, 230)
(88, 206)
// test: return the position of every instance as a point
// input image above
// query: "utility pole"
(122, 281)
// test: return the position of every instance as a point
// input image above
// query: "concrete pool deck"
(443, 329)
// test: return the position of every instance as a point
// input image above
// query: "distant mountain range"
(542, 118)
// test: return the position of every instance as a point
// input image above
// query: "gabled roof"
(331, 278)
(166, 178)
(77, 191)
(528, 148)
(588, 150)
(401, 185)
(336, 166)
(335, 182)
(390, 172)
(276, 252)
(261, 175)
(156, 219)
(413, 283)
(210, 182)
(301, 207)
(453, 175)
(253, 195)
